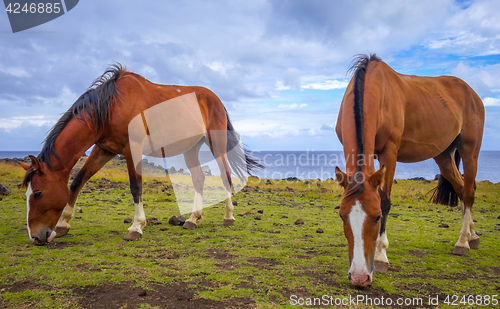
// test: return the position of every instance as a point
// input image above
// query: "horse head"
(361, 213)
(46, 197)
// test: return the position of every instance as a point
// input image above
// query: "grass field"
(266, 263)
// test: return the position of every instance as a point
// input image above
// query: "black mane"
(359, 64)
(96, 102)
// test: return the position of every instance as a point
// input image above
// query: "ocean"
(318, 164)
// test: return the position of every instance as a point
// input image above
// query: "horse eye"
(38, 194)
(378, 218)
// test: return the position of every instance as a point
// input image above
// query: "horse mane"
(358, 66)
(96, 103)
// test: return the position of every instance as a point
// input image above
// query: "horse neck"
(70, 145)
(372, 98)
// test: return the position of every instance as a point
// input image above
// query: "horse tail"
(240, 159)
(444, 193)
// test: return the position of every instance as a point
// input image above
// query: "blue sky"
(279, 66)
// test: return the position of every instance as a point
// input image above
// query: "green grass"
(264, 261)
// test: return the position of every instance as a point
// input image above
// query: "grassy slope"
(264, 261)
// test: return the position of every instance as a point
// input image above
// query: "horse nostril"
(349, 276)
(47, 235)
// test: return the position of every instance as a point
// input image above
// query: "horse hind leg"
(468, 237)
(218, 146)
(448, 165)
(198, 177)
(97, 159)
(226, 179)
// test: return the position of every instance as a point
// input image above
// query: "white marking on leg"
(66, 217)
(465, 232)
(197, 207)
(28, 196)
(139, 219)
(357, 218)
(229, 206)
(382, 245)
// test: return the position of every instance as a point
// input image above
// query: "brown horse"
(395, 117)
(105, 116)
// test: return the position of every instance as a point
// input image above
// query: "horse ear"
(341, 177)
(26, 166)
(37, 166)
(378, 178)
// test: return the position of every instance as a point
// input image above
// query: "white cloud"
(491, 101)
(327, 85)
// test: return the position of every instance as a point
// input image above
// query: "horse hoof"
(381, 266)
(474, 243)
(461, 250)
(228, 222)
(188, 225)
(132, 235)
(61, 231)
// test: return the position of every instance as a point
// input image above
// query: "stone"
(79, 210)
(307, 182)
(319, 230)
(299, 222)
(153, 221)
(4, 190)
(258, 218)
(268, 182)
(444, 225)
(206, 170)
(127, 220)
(497, 228)
(173, 221)
(260, 211)
(182, 219)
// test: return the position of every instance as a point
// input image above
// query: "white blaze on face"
(28, 196)
(357, 218)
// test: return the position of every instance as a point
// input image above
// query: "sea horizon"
(313, 164)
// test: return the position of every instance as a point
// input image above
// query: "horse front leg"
(97, 159)
(135, 231)
(381, 260)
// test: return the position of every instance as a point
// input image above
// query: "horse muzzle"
(360, 279)
(46, 235)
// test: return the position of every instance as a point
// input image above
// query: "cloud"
(491, 101)
(483, 79)
(327, 127)
(245, 52)
(327, 85)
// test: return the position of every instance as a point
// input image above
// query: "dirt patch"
(262, 263)
(417, 253)
(24, 285)
(125, 295)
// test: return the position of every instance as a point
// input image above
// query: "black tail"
(240, 159)
(444, 193)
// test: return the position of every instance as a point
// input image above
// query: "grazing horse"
(106, 116)
(394, 117)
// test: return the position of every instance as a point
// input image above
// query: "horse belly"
(167, 129)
